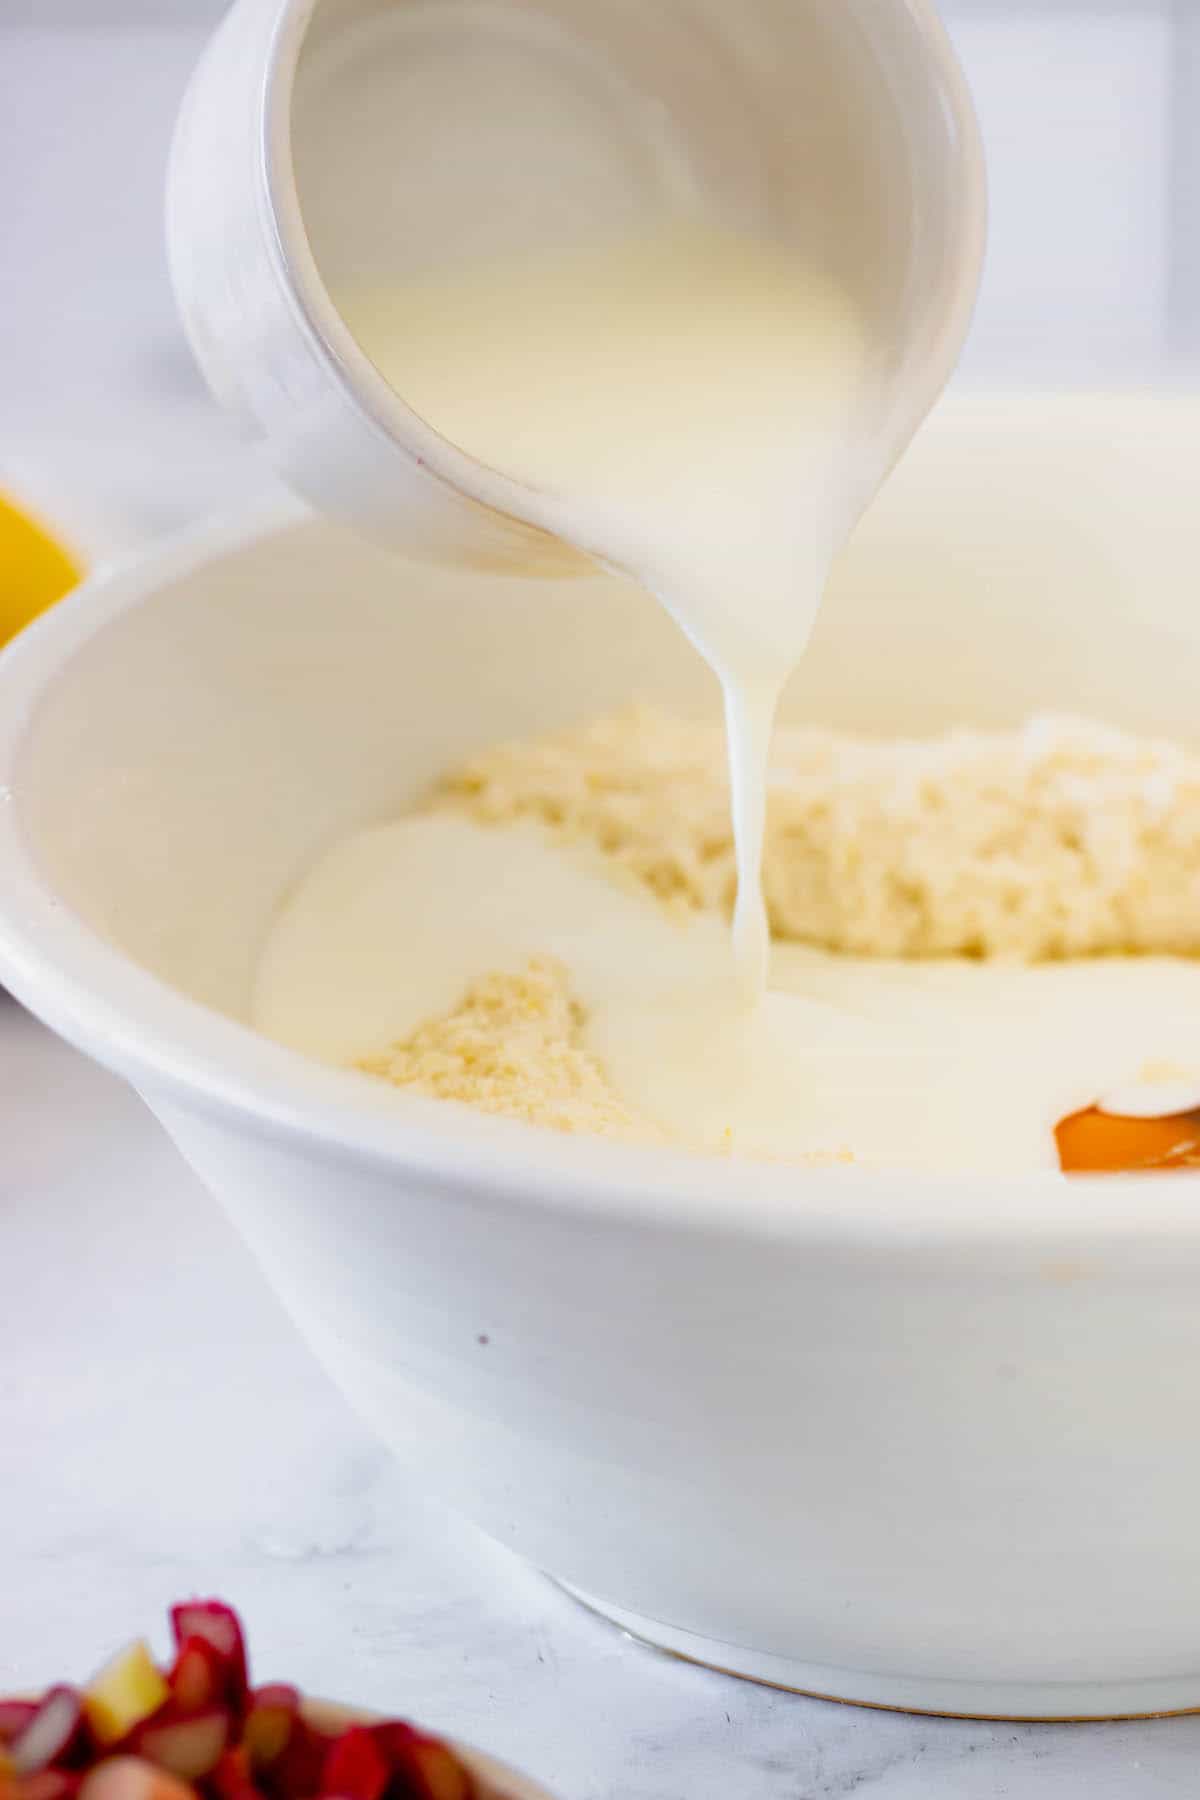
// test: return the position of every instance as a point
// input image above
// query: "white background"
(161, 1428)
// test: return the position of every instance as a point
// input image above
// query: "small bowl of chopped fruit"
(197, 1729)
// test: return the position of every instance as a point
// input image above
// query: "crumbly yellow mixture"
(514, 1045)
(1064, 839)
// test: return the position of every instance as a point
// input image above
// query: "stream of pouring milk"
(689, 406)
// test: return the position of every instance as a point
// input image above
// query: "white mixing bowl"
(920, 1442)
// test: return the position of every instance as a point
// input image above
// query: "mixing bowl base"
(1027, 1703)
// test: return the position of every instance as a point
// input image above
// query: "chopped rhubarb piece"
(187, 1747)
(426, 1766)
(198, 1676)
(126, 1691)
(232, 1779)
(131, 1778)
(297, 1771)
(56, 1736)
(269, 1721)
(355, 1767)
(219, 1626)
(14, 1717)
(51, 1784)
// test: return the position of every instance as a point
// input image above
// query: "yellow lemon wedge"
(35, 571)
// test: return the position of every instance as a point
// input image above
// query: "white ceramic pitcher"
(327, 142)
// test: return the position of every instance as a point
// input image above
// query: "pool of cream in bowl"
(893, 1437)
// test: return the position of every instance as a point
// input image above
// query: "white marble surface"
(162, 1430)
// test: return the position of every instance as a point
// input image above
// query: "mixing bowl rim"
(175, 1049)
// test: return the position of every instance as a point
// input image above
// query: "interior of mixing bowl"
(192, 757)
